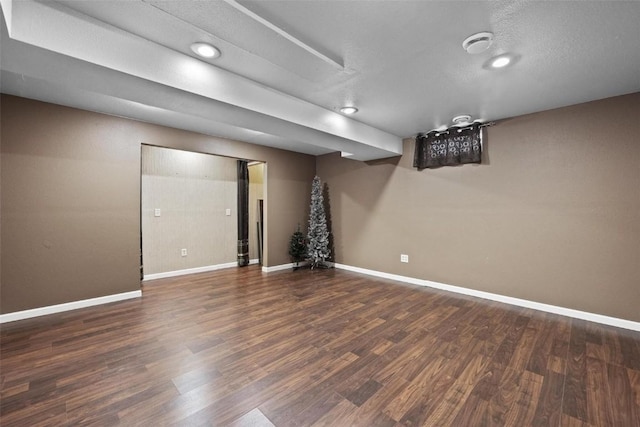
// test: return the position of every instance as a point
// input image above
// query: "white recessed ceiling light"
(348, 110)
(478, 43)
(205, 50)
(500, 61)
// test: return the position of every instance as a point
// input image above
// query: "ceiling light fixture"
(205, 50)
(478, 43)
(500, 61)
(348, 110)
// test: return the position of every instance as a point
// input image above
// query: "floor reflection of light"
(196, 400)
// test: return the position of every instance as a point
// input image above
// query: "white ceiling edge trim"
(283, 33)
(87, 39)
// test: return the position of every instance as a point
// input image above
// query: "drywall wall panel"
(70, 199)
(552, 215)
(70, 210)
(185, 197)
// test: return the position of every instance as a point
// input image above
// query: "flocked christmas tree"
(318, 234)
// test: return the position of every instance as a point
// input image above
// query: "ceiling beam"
(56, 28)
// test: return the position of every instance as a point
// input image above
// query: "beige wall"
(70, 199)
(553, 214)
(193, 192)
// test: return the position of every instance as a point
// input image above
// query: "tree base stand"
(320, 266)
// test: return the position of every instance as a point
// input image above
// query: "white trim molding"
(74, 305)
(277, 267)
(280, 267)
(194, 270)
(563, 311)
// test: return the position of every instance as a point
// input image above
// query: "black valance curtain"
(243, 213)
(448, 148)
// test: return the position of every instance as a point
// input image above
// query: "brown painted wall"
(552, 216)
(70, 200)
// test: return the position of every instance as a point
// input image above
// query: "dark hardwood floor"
(332, 348)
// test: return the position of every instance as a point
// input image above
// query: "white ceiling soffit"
(205, 90)
(288, 66)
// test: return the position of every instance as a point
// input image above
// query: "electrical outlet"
(183, 252)
(156, 212)
(404, 258)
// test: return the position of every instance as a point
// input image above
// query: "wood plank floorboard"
(239, 347)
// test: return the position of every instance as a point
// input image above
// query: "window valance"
(452, 147)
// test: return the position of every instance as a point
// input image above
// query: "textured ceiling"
(288, 66)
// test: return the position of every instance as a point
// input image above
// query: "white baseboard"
(584, 315)
(43, 311)
(194, 270)
(277, 267)
(578, 314)
(283, 267)
(51, 309)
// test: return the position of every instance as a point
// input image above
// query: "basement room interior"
(319, 213)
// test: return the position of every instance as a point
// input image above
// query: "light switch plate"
(156, 212)
(228, 212)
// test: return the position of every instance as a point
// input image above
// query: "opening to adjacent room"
(189, 212)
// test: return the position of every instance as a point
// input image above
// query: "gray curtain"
(452, 147)
(243, 213)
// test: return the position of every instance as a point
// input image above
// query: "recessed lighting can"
(205, 50)
(500, 61)
(348, 110)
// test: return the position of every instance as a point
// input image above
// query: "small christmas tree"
(297, 247)
(318, 235)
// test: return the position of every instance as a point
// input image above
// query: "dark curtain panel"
(243, 213)
(449, 148)
(260, 229)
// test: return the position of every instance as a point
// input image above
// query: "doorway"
(188, 211)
